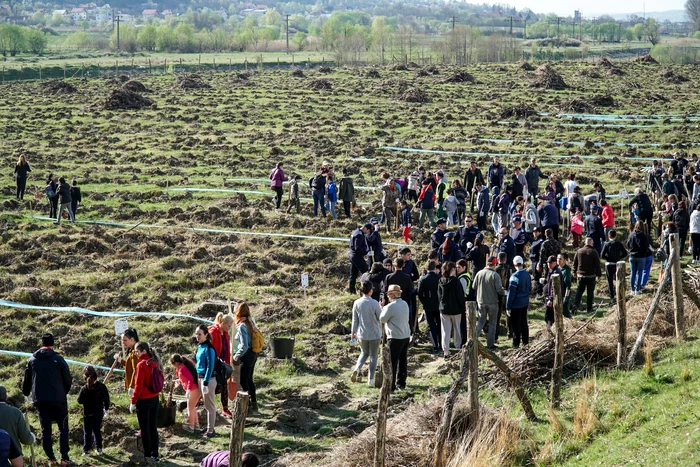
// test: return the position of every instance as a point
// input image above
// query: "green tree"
(165, 39)
(298, 22)
(11, 39)
(379, 38)
(651, 31)
(692, 9)
(128, 39)
(301, 40)
(184, 36)
(36, 41)
(79, 39)
(272, 18)
(329, 34)
(85, 25)
(147, 37)
(56, 20)
(638, 31)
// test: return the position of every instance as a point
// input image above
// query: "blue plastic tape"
(70, 362)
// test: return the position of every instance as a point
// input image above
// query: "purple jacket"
(216, 459)
(278, 177)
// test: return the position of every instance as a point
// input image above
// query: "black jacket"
(22, 170)
(64, 191)
(47, 377)
(477, 255)
(638, 244)
(451, 296)
(593, 227)
(438, 238)
(466, 235)
(642, 201)
(358, 244)
(95, 399)
(470, 179)
(75, 194)
(682, 220)
(613, 251)
(377, 280)
(404, 281)
(374, 242)
(410, 268)
(428, 291)
(318, 182)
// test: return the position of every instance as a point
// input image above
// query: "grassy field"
(130, 163)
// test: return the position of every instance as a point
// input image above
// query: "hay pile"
(119, 99)
(594, 343)
(589, 73)
(647, 59)
(673, 77)
(459, 77)
(414, 95)
(526, 66)
(547, 78)
(586, 105)
(321, 85)
(298, 73)
(58, 87)
(517, 111)
(191, 82)
(134, 86)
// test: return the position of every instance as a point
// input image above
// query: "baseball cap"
(441, 221)
(493, 260)
(518, 260)
(537, 229)
(374, 220)
(450, 234)
(368, 226)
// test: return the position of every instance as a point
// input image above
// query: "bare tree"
(692, 9)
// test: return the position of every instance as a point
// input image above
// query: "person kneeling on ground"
(220, 459)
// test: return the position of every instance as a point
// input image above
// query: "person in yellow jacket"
(129, 361)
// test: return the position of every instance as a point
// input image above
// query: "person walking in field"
(518, 301)
(21, 172)
(695, 233)
(221, 342)
(358, 250)
(94, 397)
(187, 375)
(533, 174)
(66, 201)
(144, 400)
(428, 296)
(488, 286)
(347, 192)
(390, 201)
(51, 191)
(613, 251)
(47, 379)
(367, 329)
(552, 269)
(246, 353)
(206, 361)
(395, 317)
(293, 200)
(10, 455)
(426, 202)
(317, 184)
(586, 271)
(76, 197)
(452, 303)
(277, 179)
(331, 195)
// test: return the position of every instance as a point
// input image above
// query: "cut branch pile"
(398, 67)
(673, 77)
(321, 85)
(119, 99)
(134, 86)
(373, 74)
(191, 82)
(298, 73)
(547, 78)
(526, 66)
(414, 95)
(325, 69)
(58, 87)
(648, 59)
(459, 77)
(517, 111)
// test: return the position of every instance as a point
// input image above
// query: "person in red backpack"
(221, 342)
(144, 401)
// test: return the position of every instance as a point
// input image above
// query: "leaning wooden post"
(443, 430)
(558, 369)
(513, 380)
(621, 286)
(650, 316)
(677, 284)
(240, 410)
(473, 382)
(382, 408)
(31, 446)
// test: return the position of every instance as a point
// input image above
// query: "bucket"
(166, 414)
(282, 347)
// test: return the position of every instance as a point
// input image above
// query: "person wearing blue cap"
(358, 251)
(519, 236)
(438, 236)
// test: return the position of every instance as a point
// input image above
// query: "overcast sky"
(595, 7)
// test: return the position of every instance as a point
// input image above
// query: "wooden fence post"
(382, 408)
(132, 66)
(443, 430)
(240, 411)
(558, 369)
(677, 284)
(199, 63)
(165, 66)
(473, 382)
(652, 310)
(180, 64)
(621, 292)
(39, 72)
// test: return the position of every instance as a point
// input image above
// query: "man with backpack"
(317, 184)
(48, 380)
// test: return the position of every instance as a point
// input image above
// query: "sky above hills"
(596, 7)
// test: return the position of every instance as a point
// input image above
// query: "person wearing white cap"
(395, 317)
(518, 301)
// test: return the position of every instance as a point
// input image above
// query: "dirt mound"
(119, 99)
(414, 95)
(373, 74)
(589, 73)
(602, 100)
(575, 105)
(58, 87)
(325, 69)
(191, 82)
(605, 62)
(526, 66)
(298, 73)
(321, 85)
(123, 78)
(459, 77)
(398, 67)
(134, 86)
(547, 78)
(673, 77)
(517, 111)
(648, 59)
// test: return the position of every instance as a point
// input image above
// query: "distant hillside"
(675, 16)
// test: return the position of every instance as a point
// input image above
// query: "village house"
(149, 14)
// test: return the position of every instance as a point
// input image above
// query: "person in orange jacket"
(144, 401)
(129, 361)
(221, 342)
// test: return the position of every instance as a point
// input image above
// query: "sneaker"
(227, 414)
(53, 462)
(447, 356)
(138, 434)
(353, 378)
(99, 452)
(370, 382)
(209, 434)
(56, 223)
(64, 463)
(187, 428)
(86, 453)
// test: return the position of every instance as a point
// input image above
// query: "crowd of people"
(48, 381)
(528, 223)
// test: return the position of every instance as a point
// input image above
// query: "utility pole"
(511, 25)
(558, 20)
(525, 32)
(454, 19)
(118, 44)
(287, 17)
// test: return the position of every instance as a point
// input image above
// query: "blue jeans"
(647, 269)
(318, 196)
(636, 272)
(330, 205)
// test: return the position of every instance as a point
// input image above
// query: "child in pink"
(577, 228)
(187, 374)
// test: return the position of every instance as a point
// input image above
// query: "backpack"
(222, 371)
(257, 341)
(50, 194)
(157, 380)
(318, 182)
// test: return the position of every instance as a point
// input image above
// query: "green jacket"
(566, 275)
(12, 421)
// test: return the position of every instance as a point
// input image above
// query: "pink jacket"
(186, 379)
(278, 178)
(608, 216)
(577, 225)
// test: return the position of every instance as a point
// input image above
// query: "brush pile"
(575, 105)
(416, 95)
(191, 82)
(646, 59)
(673, 77)
(526, 66)
(398, 67)
(517, 111)
(593, 344)
(321, 85)
(298, 73)
(134, 86)
(58, 87)
(459, 77)
(374, 74)
(325, 69)
(547, 78)
(121, 99)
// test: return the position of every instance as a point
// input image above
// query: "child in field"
(187, 374)
(294, 195)
(94, 397)
(331, 195)
(450, 206)
(406, 219)
(577, 227)
(76, 197)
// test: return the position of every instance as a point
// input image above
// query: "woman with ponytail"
(221, 342)
(129, 361)
(144, 401)
(94, 397)
(244, 354)
(206, 360)
(187, 374)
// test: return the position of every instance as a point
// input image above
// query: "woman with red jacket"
(221, 342)
(145, 402)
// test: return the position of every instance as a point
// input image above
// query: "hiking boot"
(353, 378)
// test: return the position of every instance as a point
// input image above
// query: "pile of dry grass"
(648, 59)
(459, 77)
(416, 95)
(120, 99)
(547, 78)
(602, 100)
(325, 69)
(517, 111)
(321, 85)
(575, 105)
(589, 73)
(191, 82)
(58, 87)
(134, 86)
(605, 62)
